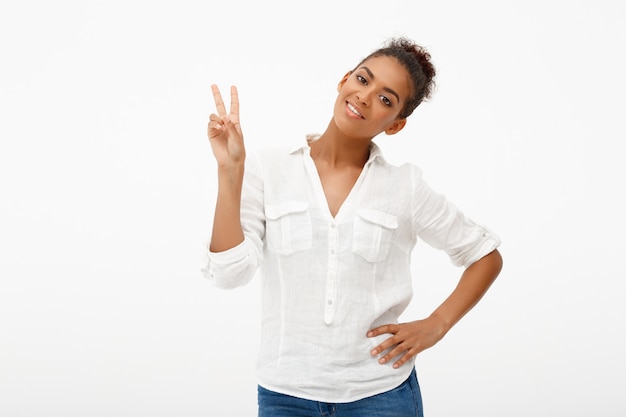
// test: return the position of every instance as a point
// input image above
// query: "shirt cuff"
(229, 256)
(484, 245)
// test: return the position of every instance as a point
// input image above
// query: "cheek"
(387, 117)
(339, 106)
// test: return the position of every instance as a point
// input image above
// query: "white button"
(330, 302)
(332, 251)
(332, 225)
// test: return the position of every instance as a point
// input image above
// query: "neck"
(339, 150)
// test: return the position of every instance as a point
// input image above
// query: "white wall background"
(107, 186)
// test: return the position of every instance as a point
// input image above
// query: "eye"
(361, 79)
(385, 100)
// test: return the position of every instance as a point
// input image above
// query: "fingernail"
(374, 352)
(370, 334)
(381, 360)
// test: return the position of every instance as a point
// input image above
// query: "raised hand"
(224, 130)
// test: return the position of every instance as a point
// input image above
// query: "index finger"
(385, 328)
(234, 100)
(219, 102)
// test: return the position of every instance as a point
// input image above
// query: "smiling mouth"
(354, 110)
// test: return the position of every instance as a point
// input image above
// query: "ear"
(395, 126)
(343, 80)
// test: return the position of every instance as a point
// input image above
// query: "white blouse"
(327, 280)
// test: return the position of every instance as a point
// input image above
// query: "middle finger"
(234, 101)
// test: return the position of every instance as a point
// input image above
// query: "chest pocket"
(288, 227)
(372, 234)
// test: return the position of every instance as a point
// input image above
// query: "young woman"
(333, 226)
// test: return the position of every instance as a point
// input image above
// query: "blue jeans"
(402, 401)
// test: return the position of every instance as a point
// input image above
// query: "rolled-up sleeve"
(237, 266)
(234, 267)
(442, 225)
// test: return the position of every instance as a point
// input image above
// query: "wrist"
(234, 169)
(441, 322)
(236, 164)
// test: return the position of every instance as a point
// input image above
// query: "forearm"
(474, 283)
(227, 230)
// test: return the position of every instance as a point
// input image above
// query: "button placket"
(331, 278)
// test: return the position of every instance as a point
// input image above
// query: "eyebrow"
(389, 90)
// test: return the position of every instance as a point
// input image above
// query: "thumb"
(232, 126)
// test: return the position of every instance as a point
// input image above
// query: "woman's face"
(371, 97)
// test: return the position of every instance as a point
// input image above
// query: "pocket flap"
(381, 218)
(276, 211)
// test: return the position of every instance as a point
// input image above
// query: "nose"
(364, 96)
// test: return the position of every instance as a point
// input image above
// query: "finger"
(232, 126)
(234, 101)
(215, 126)
(219, 102)
(397, 350)
(215, 118)
(216, 122)
(387, 328)
(404, 353)
(387, 344)
(404, 359)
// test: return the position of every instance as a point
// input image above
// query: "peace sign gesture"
(224, 130)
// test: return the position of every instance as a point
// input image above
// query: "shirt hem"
(339, 399)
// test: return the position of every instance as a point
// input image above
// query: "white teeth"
(354, 110)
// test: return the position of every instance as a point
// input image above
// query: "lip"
(353, 111)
